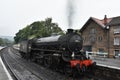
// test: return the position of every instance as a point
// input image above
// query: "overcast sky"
(16, 14)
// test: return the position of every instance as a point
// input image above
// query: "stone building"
(102, 35)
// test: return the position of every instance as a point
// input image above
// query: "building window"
(117, 30)
(100, 38)
(92, 38)
(93, 31)
(116, 41)
(84, 38)
(101, 50)
(116, 52)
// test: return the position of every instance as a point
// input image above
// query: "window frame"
(117, 29)
(116, 53)
(116, 41)
(93, 30)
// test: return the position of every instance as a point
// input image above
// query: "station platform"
(4, 74)
(108, 62)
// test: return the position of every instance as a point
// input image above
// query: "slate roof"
(98, 21)
(115, 21)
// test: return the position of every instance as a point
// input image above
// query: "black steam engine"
(60, 52)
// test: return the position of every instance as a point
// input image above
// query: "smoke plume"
(70, 12)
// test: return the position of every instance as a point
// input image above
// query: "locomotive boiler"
(60, 52)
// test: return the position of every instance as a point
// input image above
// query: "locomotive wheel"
(22, 54)
(68, 70)
(47, 61)
(66, 56)
(55, 63)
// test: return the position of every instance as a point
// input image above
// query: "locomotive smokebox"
(69, 31)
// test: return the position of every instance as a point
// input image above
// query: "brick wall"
(112, 47)
(100, 35)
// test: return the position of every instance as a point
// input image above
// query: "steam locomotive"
(60, 52)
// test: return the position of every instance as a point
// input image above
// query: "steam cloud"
(70, 12)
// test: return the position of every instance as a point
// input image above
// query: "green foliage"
(1, 41)
(78, 31)
(38, 29)
(5, 42)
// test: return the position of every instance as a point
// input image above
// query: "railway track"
(19, 72)
(26, 70)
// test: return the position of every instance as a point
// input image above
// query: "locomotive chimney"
(69, 30)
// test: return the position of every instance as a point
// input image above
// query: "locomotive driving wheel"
(47, 61)
(66, 56)
(67, 70)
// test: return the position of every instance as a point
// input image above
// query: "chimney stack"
(105, 20)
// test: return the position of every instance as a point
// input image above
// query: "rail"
(10, 69)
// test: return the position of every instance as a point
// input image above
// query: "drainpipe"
(107, 28)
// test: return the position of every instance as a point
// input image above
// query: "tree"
(38, 29)
(4, 42)
(1, 41)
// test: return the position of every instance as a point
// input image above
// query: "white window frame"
(116, 54)
(117, 30)
(93, 31)
(116, 41)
